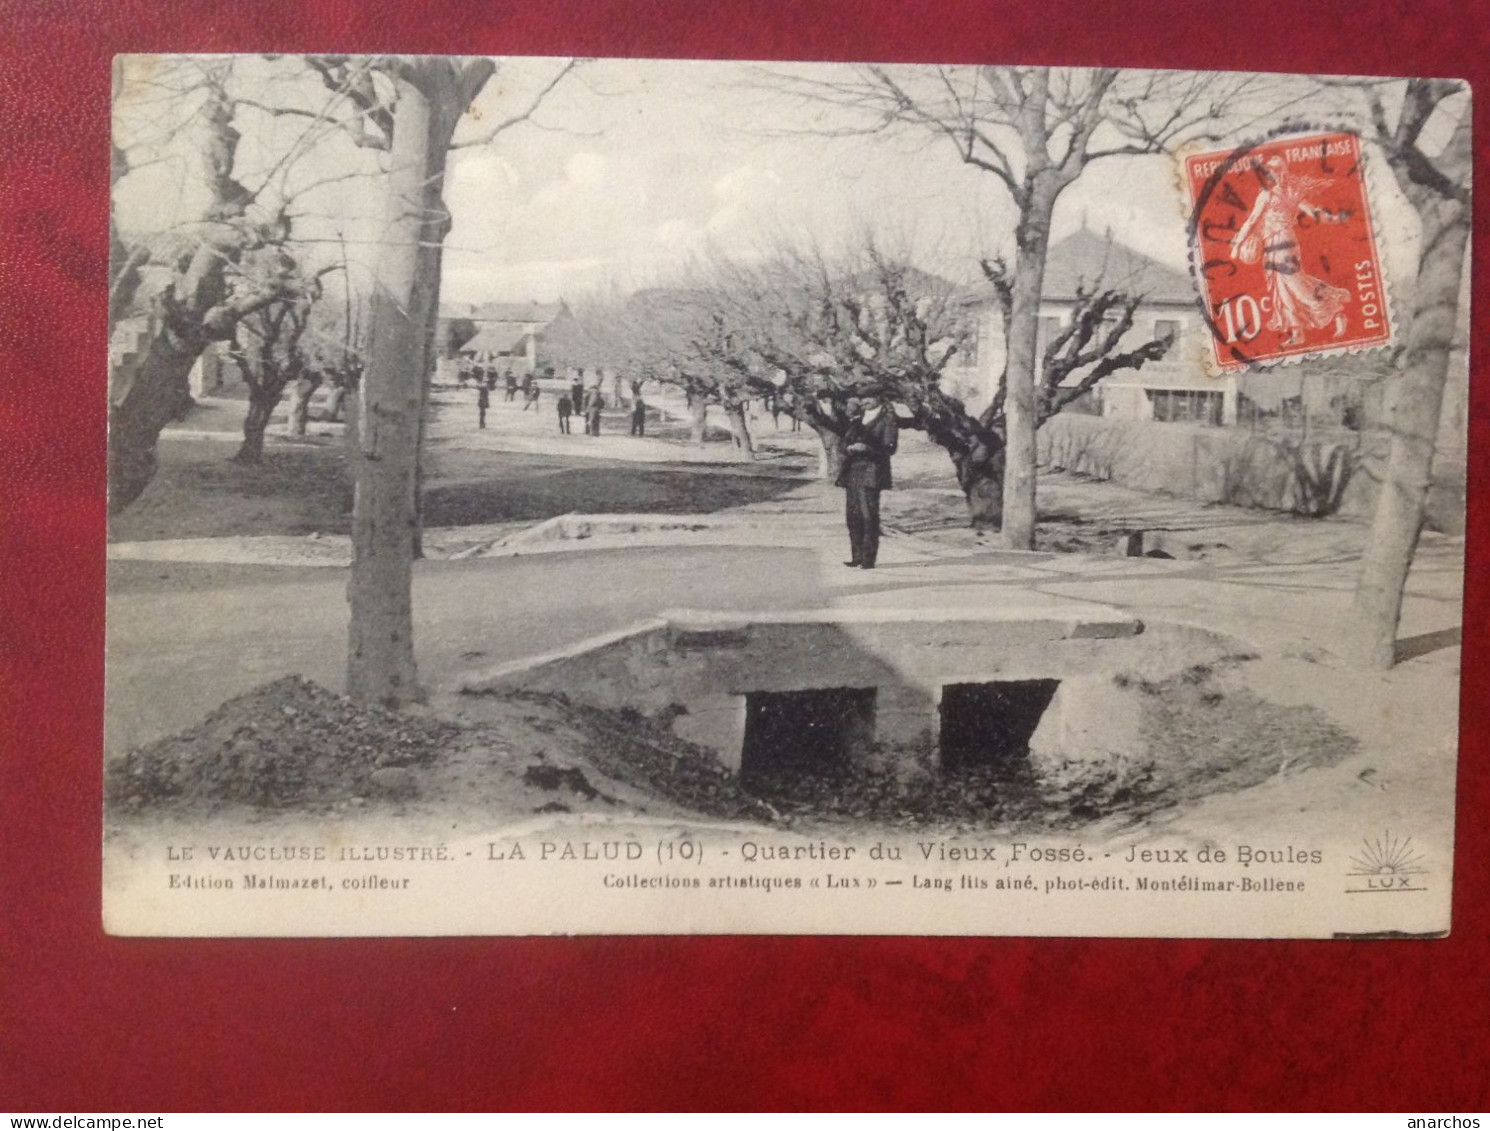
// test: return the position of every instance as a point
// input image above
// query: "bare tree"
(416, 124)
(269, 349)
(778, 328)
(1089, 347)
(876, 324)
(410, 106)
(1437, 186)
(202, 302)
(1034, 130)
(675, 336)
(212, 265)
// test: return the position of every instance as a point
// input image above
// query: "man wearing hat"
(869, 442)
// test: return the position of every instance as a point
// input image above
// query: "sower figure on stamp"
(1271, 233)
(869, 442)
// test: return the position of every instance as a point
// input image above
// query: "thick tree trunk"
(830, 452)
(380, 653)
(428, 277)
(145, 395)
(261, 406)
(1414, 419)
(432, 95)
(1021, 406)
(740, 429)
(698, 416)
(299, 413)
(982, 483)
(336, 403)
(148, 392)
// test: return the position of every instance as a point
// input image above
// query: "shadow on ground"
(200, 492)
(302, 488)
(525, 488)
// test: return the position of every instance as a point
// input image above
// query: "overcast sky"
(631, 169)
(649, 164)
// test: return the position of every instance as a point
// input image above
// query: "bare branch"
(528, 111)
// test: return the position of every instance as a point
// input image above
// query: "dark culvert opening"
(989, 725)
(792, 732)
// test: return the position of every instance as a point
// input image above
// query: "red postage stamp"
(1284, 250)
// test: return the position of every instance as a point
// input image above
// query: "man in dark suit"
(869, 442)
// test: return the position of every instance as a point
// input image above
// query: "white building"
(1176, 388)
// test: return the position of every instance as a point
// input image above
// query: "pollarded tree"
(1035, 130)
(192, 110)
(875, 324)
(701, 350)
(676, 336)
(269, 350)
(1088, 348)
(778, 325)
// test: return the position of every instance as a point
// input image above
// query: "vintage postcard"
(618, 496)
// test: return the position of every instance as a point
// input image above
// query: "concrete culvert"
(809, 730)
(989, 725)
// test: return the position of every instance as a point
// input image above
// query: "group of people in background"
(486, 383)
(577, 400)
(869, 441)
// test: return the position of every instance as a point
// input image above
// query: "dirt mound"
(628, 747)
(284, 744)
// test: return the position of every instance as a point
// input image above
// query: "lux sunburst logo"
(1387, 864)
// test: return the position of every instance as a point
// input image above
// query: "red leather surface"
(93, 1023)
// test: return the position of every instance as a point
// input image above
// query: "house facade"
(508, 335)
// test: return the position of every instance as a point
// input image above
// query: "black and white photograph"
(610, 496)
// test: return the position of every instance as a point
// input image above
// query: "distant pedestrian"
(483, 401)
(511, 383)
(577, 394)
(594, 402)
(566, 407)
(530, 396)
(638, 416)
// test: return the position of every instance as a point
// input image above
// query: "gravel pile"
(284, 744)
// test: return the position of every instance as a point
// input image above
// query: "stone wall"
(1338, 473)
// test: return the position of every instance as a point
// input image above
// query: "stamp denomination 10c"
(1284, 251)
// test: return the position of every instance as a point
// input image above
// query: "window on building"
(1050, 326)
(972, 345)
(1167, 328)
(1186, 406)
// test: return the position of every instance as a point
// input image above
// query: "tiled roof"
(1087, 260)
(496, 339)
